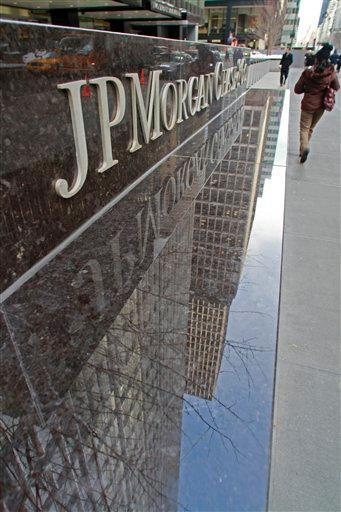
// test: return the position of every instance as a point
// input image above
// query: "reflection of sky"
(226, 467)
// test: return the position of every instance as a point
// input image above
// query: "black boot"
(304, 156)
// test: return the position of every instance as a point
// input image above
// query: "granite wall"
(38, 146)
(96, 286)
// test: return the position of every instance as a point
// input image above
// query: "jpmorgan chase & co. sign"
(163, 108)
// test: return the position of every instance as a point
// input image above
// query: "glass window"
(216, 19)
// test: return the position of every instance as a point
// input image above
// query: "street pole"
(228, 19)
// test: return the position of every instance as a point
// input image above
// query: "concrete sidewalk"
(306, 449)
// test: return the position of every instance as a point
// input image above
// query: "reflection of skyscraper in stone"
(224, 214)
(271, 138)
(113, 441)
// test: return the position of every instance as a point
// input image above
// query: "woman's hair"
(322, 58)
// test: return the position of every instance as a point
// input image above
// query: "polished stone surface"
(38, 145)
(138, 361)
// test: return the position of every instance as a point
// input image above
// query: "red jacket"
(314, 85)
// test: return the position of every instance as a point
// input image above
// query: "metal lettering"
(150, 118)
(209, 88)
(182, 97)
(105, 122)
(192, 105)
(169, 125)
(202, 103)
(61, 186)
(217, 80)
(224, 80)
(177, 100)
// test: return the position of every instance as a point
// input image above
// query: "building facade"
(255, 23)
(328, 24)
(324, 8)
(335, 38)
(236, 16)
(175, 19)
(289, 32)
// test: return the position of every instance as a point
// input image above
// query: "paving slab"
(304, 459)
(305, 456)
(308, 220)
(310, 273)
(328, 173)
(312, 338)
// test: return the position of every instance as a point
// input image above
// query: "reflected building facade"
(271, 139)
(223, 219)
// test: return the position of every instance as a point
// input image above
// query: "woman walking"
(314, 83)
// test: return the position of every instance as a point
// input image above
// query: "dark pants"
(284, 75)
